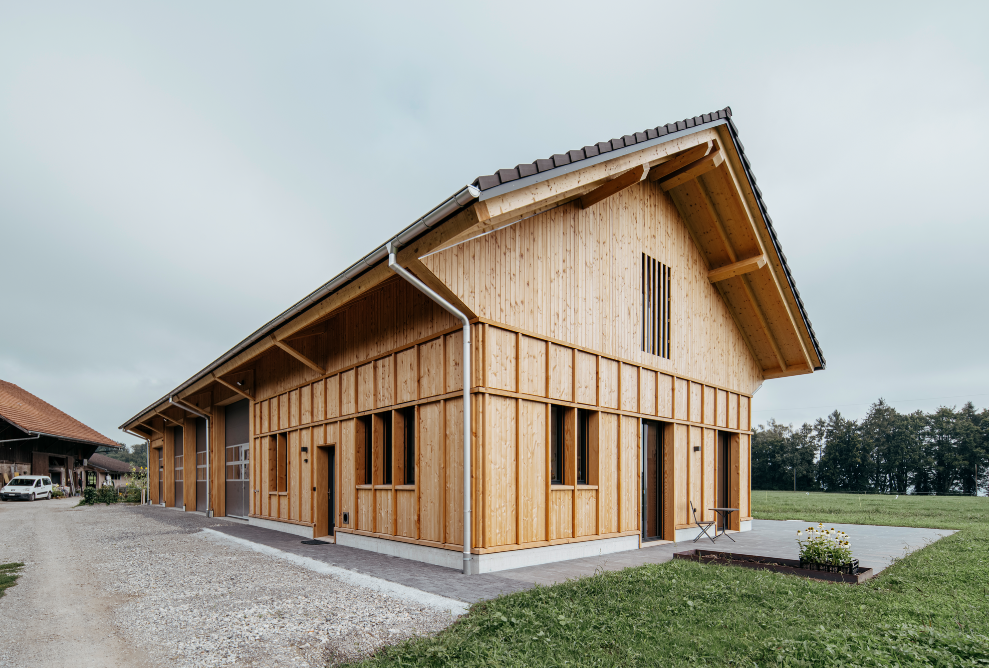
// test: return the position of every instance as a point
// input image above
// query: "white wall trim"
(297, 529)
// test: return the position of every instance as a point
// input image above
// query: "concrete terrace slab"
(875, 546)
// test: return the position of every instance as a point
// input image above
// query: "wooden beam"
(737, 268)
(615, 185)
(681, 159)
(182, 404)
(172, 420)
(244, 392)
(147, 427)
(692, 171)
(317, 330)
(429, 278)
(793, 370)
(297, 355)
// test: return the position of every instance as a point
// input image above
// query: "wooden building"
(622, 303)
(38, 439)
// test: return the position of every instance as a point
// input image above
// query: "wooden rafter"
(297, 355)
(242, 391)
(737, 268)
(680, 160)
(692, 171)
(166, 417)
(183, 404)
(719, 226)
(615, 185)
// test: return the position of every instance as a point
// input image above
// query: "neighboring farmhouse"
(622, 303)
(38, 439)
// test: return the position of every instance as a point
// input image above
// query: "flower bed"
(779, 565)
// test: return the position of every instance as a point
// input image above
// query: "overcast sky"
(173, 175)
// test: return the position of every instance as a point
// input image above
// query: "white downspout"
(209, 508)
(432, 294)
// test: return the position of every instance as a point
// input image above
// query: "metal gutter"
(450, 206)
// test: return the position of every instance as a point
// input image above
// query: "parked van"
(27, 487)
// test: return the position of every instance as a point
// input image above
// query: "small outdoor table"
(725, 514)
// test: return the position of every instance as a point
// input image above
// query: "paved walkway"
(875, 546)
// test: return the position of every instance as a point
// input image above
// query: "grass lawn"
(8, 575)
(930, 609)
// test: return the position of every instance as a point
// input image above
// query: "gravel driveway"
(115, 586)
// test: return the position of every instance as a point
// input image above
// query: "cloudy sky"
(172, 175)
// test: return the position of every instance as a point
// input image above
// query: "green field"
(8, 575)
(929, 609)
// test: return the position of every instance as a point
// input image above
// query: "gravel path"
(146, 590)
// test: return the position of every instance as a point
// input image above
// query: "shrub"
(58, 493)
(88, 496)
(107, 494)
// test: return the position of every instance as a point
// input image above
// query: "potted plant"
(826, 550)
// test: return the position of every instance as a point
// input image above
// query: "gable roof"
(605, 150)
(109, 463)
(504, 180)
(32, 415)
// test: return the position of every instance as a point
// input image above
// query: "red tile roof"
(109, 463)
(31, 414)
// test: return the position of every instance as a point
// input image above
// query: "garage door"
(238, 453)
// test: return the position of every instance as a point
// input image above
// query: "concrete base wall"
(297, 529)
(489, 563)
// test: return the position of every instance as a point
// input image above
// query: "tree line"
(135, 455)
(886, 452)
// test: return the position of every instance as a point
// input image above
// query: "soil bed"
(776, 564)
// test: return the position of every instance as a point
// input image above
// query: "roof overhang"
(722, 207)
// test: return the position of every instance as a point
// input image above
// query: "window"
(583, 429)
(387, 448)
(278, 463)
(409, 420)
(557, 451)
(365, 454)
(656, 282)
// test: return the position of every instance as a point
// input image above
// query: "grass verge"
(929, 609)
(8, 575)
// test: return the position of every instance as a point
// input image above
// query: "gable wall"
(575, 275)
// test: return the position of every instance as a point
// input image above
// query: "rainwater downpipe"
(432, 294)
(209, 504)
(147, 448)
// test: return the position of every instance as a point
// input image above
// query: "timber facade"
(624, 306)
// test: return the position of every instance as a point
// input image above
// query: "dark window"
(364, 424)
(410, 445)
(557, 450)
(583, 425)
(656, 282)
(388, 449)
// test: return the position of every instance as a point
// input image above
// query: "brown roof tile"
(34, 415)
(109, 463)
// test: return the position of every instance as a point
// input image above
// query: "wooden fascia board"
(733, 165)
(233, 386)
(737, 268)
(614, 186)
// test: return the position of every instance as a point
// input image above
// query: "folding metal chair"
(703, 526)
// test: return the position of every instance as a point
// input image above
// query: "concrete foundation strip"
(402, 592)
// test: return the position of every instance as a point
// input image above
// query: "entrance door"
(724, 473)
(652, 480)
(201, 465)
(331, 491)
(179, 451)
(236, 440)
(161, 477)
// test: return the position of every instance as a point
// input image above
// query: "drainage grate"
(314, 542)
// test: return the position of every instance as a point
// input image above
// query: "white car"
(28, 487)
